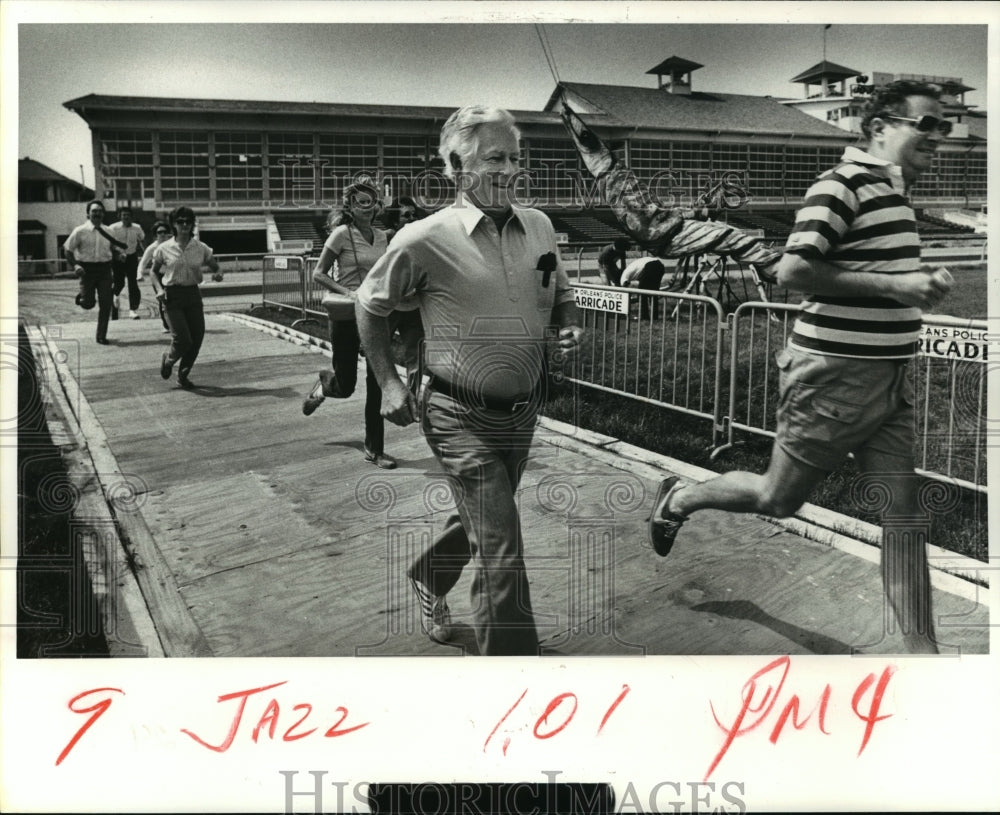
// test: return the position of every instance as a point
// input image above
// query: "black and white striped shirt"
(857, 217)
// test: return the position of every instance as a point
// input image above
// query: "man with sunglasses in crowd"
(844, 380)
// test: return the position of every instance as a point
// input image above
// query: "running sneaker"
(435, 616)
(663, 524)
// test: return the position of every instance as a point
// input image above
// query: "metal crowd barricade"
(753, 375)
(241, 261)
(635, 348)
(950, 391)
(949, 379)
(283, 282)
(312, 291)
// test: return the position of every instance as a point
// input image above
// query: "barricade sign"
(614, 302)
(953, 342)
(283, 262)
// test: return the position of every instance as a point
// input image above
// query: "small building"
(49, 207)
(841, 102)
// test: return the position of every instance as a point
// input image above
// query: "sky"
(433, 55)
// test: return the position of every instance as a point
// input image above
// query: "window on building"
(344, 158)
(766, 171)
(802, 165)
(651, 161)
(184, 170)
(239, 172)
(953, 176)
(291, 171)
(126, 165)
(404, 158)
(554, 175)
(649, 158)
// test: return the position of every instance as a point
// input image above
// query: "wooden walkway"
(257, 531)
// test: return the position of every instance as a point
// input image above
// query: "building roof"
(30, 170)
(675, 64)
(829, 70)
(715, 112)
(83, 105)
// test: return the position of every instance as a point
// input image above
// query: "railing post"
(303, 287)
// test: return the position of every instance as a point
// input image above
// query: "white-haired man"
(492, 292)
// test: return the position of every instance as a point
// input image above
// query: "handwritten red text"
(554, 719)
(267, 723)
(762, 691)
(97, 710)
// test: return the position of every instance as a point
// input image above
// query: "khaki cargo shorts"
(830, 406)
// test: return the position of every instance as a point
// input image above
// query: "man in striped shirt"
(844, 387)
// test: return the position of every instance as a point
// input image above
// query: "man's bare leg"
(779, 492)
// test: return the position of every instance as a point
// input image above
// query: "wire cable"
(547, 51)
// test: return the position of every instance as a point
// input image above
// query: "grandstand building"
(262, 175)
(842, 93)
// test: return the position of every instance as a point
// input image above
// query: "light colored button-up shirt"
(182, 266)
(485, 310)
(130, 235)
(88, 245)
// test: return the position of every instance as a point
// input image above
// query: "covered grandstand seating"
(298, 227)
(932, 226)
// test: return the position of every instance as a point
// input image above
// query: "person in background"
(353, 247)
(611, 262)
(493, 294)
(161, 232)
(178, 270)
(845, 384)
(645, 273)
(409, 327)
(125, 265)
(89, 250)
(406, 211)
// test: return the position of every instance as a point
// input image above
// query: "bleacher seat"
(300, 228)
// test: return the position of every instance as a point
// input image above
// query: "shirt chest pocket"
(545, 294)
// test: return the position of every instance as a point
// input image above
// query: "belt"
(474, 400)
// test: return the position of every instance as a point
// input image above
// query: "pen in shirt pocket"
(546, 265)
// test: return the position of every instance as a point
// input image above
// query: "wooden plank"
(128, 628)
(177, 630)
